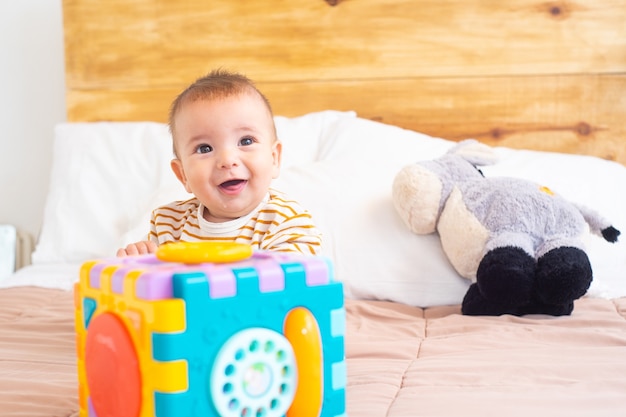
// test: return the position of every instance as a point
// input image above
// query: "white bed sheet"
(55, 275)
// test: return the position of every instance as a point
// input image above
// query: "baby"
(226, 153)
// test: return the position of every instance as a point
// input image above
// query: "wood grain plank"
(153, 43)
(581, 114)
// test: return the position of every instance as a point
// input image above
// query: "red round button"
(112, 368)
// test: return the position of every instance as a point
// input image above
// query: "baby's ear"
(179, 171)
(277, 155)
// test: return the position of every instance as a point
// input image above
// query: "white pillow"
(104, 178)
(107, 178)
(301, 135)
(373, 253)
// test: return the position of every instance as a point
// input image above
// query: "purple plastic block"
(316, 271)
(117, 280)
(126, 264)
(315, 267)
(142, 260)
(156, 284)
(221, 281)
(271, 275)
(95, 274)
(258, 255)
(267, 267)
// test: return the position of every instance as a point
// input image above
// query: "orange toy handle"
(303, 333)
(201, 252)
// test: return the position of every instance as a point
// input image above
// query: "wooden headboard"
(548, 75)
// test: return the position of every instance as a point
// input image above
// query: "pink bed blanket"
(402, 361)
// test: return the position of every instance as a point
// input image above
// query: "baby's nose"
(228, 158)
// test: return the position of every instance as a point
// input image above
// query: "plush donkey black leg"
(539, 307)
(563, 275)
(506, 275)
(475, 304)
(504, 282)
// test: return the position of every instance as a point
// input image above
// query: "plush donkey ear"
(474, 152)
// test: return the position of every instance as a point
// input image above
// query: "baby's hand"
(138, 248)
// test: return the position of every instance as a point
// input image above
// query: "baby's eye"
(204, 148)
(246, 141)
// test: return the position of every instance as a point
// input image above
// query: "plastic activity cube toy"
(256, 337)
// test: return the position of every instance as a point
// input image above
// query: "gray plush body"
(518, 215)
(506, 220)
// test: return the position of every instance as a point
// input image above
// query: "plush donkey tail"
(598, 224)
(610, 234)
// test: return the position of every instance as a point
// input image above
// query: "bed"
(359, 89)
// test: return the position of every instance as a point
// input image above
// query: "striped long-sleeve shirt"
(278, 223)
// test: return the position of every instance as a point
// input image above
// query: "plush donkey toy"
(518, 242)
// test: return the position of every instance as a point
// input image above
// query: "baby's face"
(228, 153)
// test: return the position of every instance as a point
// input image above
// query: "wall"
(31, 103)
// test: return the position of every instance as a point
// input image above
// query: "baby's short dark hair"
(217, 84)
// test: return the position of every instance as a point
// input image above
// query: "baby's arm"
(138, 248)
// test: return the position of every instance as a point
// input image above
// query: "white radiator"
(15, 249)
(8, 239)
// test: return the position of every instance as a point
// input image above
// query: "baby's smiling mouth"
(233, 185)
